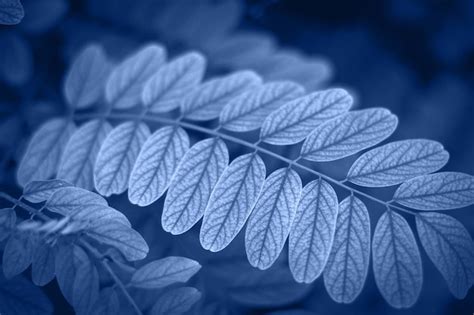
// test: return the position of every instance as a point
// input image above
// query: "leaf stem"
(254, 146)
(23, 205)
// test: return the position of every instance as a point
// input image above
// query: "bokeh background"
(415, 57)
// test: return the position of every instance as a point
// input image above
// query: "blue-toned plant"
(149, 153)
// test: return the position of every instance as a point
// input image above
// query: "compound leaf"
(165, 89)
(117, 156)
(44, 151)
(346, 268)
(231, 201)
(77, 163)
(39, 191)
(124, 85)
(396, 261)
(156, 164)
(272, 217)
(451, 249)
(313, 231)
(293, 121)
(397, 162)
(192, 184)
(176, 301)
(439, 191)
(248, 110)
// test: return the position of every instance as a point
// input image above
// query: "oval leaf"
(396, 261)
(39, 191)
(11, 12)
(397, 162)
(156, 164)
(450, 248)
(164, 272)
(42, 270)
(17, 254)
(86, 78)
(292, 122)
(439, 191)
(248, 110)
(272, 217)
(7, 222)
(124, 85)
(165, 89)
(349, 134)
(192, 184)
(313, 231)
(77, 163)
(346, 269)
(176, 301)
(206, 101)
(231, 201)
(44, 151)
(116, 157)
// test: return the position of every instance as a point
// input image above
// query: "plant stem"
(23, 205)
(254, 146)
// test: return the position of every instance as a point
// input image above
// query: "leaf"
(313, 231)
(156, 164)
(349, 134)
(206, 101)
(86, 78)
(7, 222)
(117, 155)
(126, 240)
(176, 301)
(85, 288)
(44, 151)
(165, 89)
(19, 296)
(346, 268)
(11, 12)
(164, 272)
(17, 254)
(451, 249)
(192, 184)
(39, 191)
(43, 269)
(292, 122)
(396, 261)
(77, 163)
(231, 201)
(16, 59)
(397, 162)
(248, 110)
(439, 191)
(272, 217)
(124, 85)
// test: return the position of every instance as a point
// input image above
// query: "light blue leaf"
(176, 301)
(439, 191)
(248, 110)
(77, 163)
(117, 156)
(124, 86)
(42, 270)
(313, 231)
(164, 272)
(292, 122)
(19, 296)
(16, 59)
(272, 217)
(86, 78)
(349, 134)
(7, 222)
(17, 254)
(206, 101)
(165, 89)
(156, 164)
(450, 248)
(396, 260)
(125, 239)
(397, 162)
(44, 151)
(192, 184)
(232, 201)
(85, 288)
(346, 268)
(39, 191)
(11, 12)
